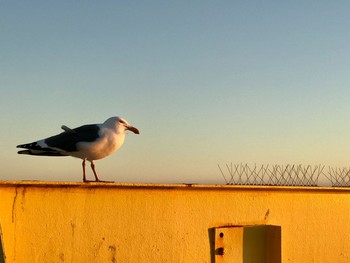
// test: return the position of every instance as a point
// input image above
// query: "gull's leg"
(93, 169)
(84, 175)
(96, 177)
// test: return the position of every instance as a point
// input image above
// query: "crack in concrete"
(13, 206)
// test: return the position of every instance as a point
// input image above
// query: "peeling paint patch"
(72, 224)
(113, 251)
(61, 257)
(267, 214)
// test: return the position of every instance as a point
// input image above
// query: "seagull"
(88, 142)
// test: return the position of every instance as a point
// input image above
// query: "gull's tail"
(35, 149)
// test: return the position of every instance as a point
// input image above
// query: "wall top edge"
(179, 186)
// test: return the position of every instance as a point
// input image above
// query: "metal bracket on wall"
(246, 244)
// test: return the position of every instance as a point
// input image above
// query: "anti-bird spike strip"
(284, 175)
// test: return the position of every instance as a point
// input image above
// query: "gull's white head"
(120, 125)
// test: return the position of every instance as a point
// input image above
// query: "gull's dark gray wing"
(68, 140)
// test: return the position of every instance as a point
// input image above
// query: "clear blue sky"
(206, 82)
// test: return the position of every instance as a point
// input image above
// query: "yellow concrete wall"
(73, 222)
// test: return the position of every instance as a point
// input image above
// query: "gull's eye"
(121, 121)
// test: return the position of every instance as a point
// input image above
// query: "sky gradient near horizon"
(205, 82)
